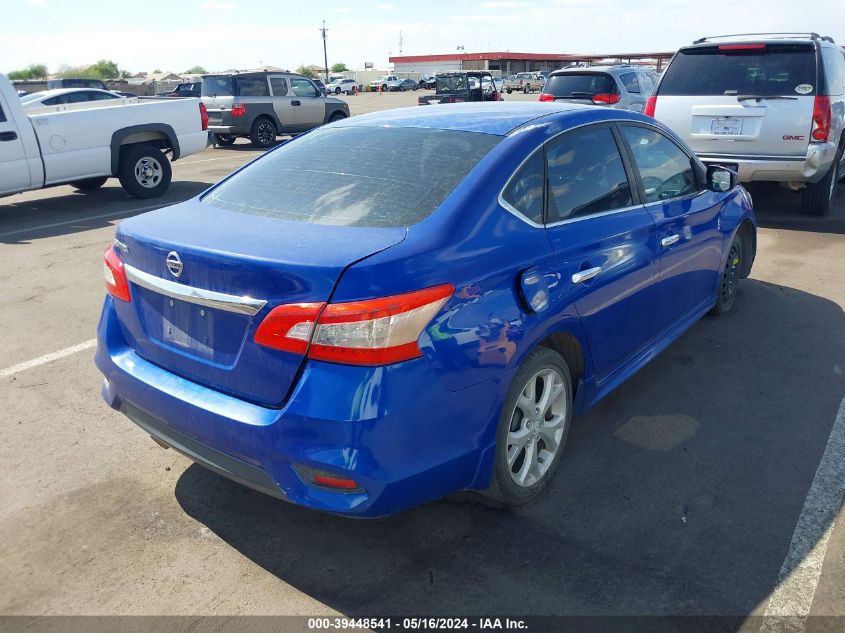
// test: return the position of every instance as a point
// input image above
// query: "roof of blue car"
(489, 118)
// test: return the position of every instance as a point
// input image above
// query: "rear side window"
(253, 87)
(775, 69)
(629, 80)
(384, 177)
(834, 70)
(55, 100)
(580, 85)
(666, 171)
(586, 175)
(2, 115)
(279, 85)
(524, 192)
(217, 87)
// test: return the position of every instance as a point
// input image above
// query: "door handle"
(585, 275)
(672, 239)
(8, 136)
(296, 102)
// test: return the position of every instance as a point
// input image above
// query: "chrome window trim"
(198, 296)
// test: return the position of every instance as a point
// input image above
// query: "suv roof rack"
(776, 36)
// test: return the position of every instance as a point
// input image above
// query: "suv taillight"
(203, 116)
(238, 109)
(545, 96)
(650, 106)
(822, 116)
(609, 99)
(116, 283)
(371, 332)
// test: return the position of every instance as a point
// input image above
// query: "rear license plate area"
(726, 126)
(188, 326)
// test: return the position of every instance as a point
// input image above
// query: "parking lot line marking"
(802, 567)
(83, 220)
(47, 358)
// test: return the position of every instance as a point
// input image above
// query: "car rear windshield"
(452, 84)
(217, 86)
(580, 85)
(774, 69)
(355, 176)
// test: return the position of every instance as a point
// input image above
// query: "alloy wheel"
(266, 133)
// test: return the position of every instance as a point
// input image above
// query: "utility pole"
(400, 41)
(325, 54)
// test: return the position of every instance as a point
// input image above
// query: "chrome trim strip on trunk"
(207, 298)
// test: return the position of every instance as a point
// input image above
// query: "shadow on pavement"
(779, 208)
(678, 494)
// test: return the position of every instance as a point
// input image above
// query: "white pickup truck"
(85, 144)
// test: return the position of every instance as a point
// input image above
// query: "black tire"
(503, 488)
(526, 90)
(263, 133)
(337, 116)
(144, 171)
(729, 279)
(337, 90)
(224, 140)
(818, 198)
(384, 88)
(89, 184)
(508, 90)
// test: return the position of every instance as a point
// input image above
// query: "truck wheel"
(89, 184)
(337, 116)
(263, 133)
(337, 90)
(509, 91)
(144, 171)
(224, 140)
(818, 197)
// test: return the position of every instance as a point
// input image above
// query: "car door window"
(253, 87)
(80, 97)
(303, 88)
(524, 193)
(629, 80)
(102, 96)
(666, 171)
(647, 83)
(2, 115)
(586, 175)
(834, 70)
(279, 86)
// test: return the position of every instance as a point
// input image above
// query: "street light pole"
(325, 54)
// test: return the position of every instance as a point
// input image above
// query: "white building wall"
(426, 68)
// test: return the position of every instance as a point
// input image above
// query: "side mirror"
(720, 179)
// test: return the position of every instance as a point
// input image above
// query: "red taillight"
(203, 116)
(116, 282)
(650, 106)
(340, 483)
(372, 332)
(822, 116)
(238, 109)
(326, 479)
(606, 98)
(741, 47)
(544, 96)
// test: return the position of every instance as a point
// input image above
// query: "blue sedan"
(365, 331)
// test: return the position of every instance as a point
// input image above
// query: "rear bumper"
(396, 430)
(809, 168)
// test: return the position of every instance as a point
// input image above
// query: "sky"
(175, 35)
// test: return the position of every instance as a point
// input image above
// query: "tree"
(33, 71)
(105, 69)
(196, 70)
(304, 70)
(339, 67)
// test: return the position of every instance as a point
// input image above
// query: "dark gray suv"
(263, 105)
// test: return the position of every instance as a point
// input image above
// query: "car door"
(282, 103)
(14, 170)
(687, 217)
(631, 83)
(309, 106)
(604, 242)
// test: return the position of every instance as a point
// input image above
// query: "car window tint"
(2, 115)
(777, 69)
(384, 177)
(54, 101)
(580, 85)
(586, 175)
(834, 70)
(279, 86)
(647, 83)
(103, 96)
(217, 86)
(524, 192)
(665, 170)
(629, 80)
(253, 87)
(303, 88)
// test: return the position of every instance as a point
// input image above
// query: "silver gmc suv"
(770, 106)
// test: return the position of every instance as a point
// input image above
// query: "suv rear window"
(777, 69)
(253, 87)
(580, 85)
(396, 177)
(219, 86)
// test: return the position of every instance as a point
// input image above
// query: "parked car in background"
(123, 93)
(65, 96)
(188, 89)
(524, 82)
(428, 82)
(457, 327)
(55, 84)
(624, 87)
(408, 84)
(771, 107)
(85, 144)
(384, 83)
(346, 86)
(263, 105)
(461, 86)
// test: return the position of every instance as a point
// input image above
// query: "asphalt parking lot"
(680, 494)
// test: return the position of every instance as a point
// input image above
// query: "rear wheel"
(532, 428)
(730, 278)
(509, 91)
(337, 90)
(337, 116)
(263, 133)
(526, 90)
(818, 197)
(224, 140)
(89, 184)
(144, 171)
